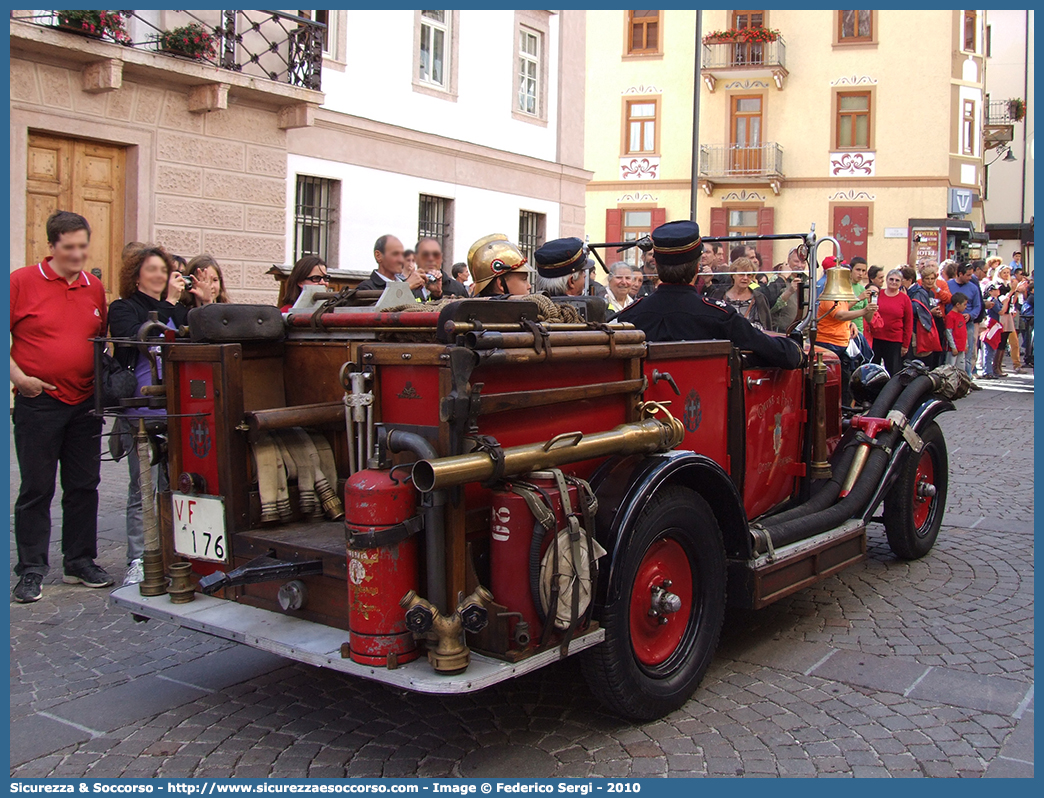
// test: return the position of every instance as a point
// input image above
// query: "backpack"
(927, 340)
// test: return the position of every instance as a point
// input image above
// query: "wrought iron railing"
(1003, 112)
(720, 55)
(734, 160)
(272, 45)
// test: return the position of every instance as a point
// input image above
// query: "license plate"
(199, 527)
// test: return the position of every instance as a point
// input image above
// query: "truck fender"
(929, 410)
(624, 485)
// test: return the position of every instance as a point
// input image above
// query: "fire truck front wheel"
(913, 507)
(662, 630)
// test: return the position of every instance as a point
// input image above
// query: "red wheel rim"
(652, 639)
(923, 498)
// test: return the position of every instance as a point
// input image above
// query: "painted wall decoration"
(852, 164)
(641, 89)
(851, 196)
(646, 168)
(743, 196)
(637, 197)
(863, 80)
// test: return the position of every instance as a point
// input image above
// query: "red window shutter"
(613, 225)
(851, 229)
(766, 227)
(659, 217)
(719, 227)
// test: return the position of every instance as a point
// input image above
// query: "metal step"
(320, 645)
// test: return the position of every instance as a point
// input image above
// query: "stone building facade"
(191, 156)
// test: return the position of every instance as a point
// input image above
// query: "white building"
(1008, 184)
(454, 124)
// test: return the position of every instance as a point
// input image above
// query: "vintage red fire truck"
(442, 500)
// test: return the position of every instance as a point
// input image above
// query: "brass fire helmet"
(491, 257)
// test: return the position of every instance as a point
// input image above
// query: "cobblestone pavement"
(890, 668)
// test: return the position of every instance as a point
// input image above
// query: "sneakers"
(29, 588)
(89, 575)
(135, 573)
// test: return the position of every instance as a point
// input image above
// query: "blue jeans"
(846, 370)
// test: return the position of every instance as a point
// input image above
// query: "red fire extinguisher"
(517, 544)
(380, 520)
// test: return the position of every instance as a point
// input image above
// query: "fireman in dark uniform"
(677, 312)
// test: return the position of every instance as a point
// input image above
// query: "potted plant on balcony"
(96, 24)
(1017, 109)
(733, 35)
(192, 41)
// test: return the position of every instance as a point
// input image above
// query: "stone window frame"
(856, 42)
(871, 91)
(449, 91)
(538, 22)
(332, 222)
(337, 57)
(625, 140)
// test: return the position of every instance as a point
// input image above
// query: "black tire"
(676, 519)
(912, 531)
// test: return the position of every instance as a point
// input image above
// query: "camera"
(188, 282)
(433, 277)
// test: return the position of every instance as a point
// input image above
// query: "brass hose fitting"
(451, 654)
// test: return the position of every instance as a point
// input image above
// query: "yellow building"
(867, 123)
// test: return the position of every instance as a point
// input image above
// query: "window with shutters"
(853, 120)
(630, 224)
(640, 126)
(643, 32)
(742, 221)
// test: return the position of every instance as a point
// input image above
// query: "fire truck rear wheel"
(914, 506)
(662, 631)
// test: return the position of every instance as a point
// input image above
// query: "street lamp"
(1009, 156)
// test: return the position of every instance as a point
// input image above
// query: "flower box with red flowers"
(96, 24)
(191, 41)
(741, 35)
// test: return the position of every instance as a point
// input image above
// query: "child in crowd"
(991, 336)
(957, 332)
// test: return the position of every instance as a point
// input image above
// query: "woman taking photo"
(750, 305)
(148, 282)
(310, 270)
(893, 325)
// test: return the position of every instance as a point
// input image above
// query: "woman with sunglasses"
(894, 324)
(310, 270)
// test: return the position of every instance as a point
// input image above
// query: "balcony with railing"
(747, 59)
(255, 52)
(736, 163)
(999, 121)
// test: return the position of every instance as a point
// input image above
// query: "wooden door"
(83, 177)
(745, 128)
(747, 53)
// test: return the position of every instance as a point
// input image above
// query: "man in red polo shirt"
(55, 308)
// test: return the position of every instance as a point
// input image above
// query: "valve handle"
(665, 375)
(574, 437)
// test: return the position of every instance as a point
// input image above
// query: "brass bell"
(838, 286)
